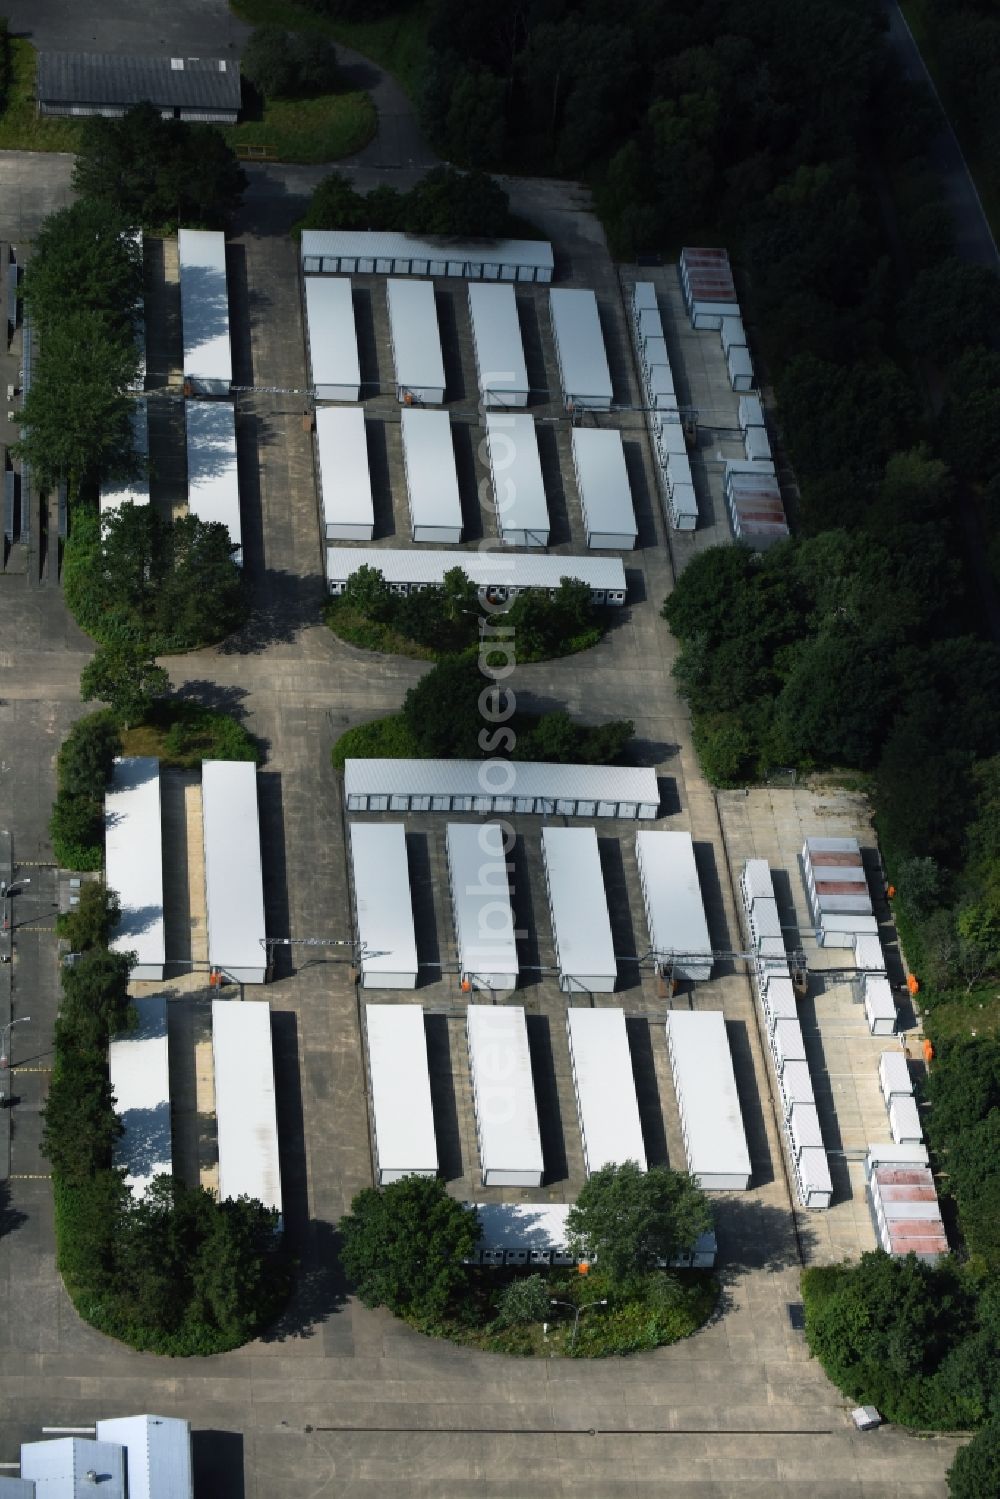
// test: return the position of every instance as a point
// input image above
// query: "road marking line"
(27, 1176)
(15, 1068)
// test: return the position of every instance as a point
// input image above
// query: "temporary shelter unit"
(670, 439)
(880, 1007)
(732, 334)
(803, 1129)
(841, 931)
(139, 1069)
(213, 476)
(208, 360)
(134, 491)
(345, 484)
(904, 1120)
(660, 391)
(753, 499)
(751, 414)
(678, 471)
(332, 337)
(542, 787)
(810, 1167)
(516, 474)
(675, 907)
(400, 1083)
(501, 575)
(756, 882)
(234, 881)
(868, 954)
(682, 507)
(643, 297)
(133, 862)
(496, 338)
(906, 1215)
(757, 445)
(374, 252)
(653, 353)
(894, 1076)
(765, 926)
(480, 901)
(245, 1115)
(60, 1468)
(583, 362)
(431, 477)
(605, 492)
(740, 368)
(787, 1043)
(416, 342)
(708, 287)
(795, 1085)
(648, 326)
(837, 890)
(581, 926)
(705, 1084)
(604, 1084)
(503, 1096)
(157, 1454)
(777, 993)
(383, 906)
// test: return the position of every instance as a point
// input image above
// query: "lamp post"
(5, 1039)
(577, 1311)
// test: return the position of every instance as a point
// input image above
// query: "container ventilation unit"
(510, 1148)
(604, 1085)
(530, 786)
(383, 905)
(399, 1076)
(480, 900)
(208, 361)
(705, 1084)
(516, 475)
(675, 909)
(344, 479)
(416, 342)
(605, 492)
(431, 477)
(133, 854)
(583, 361)
(496, 338)
(332, 337)
(501, 575)
(581, 927)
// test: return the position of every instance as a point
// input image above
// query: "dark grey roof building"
(105, 83)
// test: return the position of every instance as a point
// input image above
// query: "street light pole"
(5, 1039)
(577, 1311)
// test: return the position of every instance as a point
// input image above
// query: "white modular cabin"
(868, 954)
(756, 882)
(133, 491)
(795, 1082)
(245, 1115)
(812, 1174)
(803, 1128)
(383, 905)
(480, 898)
(496, 337)
(756, 445)
(208, 360)
(542, 787)
(732, 333)
(213, 475)
(500, 575)
(503, 1095)
(682, 507)
(841, 930)
(605, 492)
(711, 1123)
(416, 342)
(345, 484)
(777, 994)
(516, 474)
(234, 881)
(894, 1076)
(399, 1076)
(133, 862)
(333, 252)
(655, 356)
(660, 388)
(139, 1069)
(157, 1454)
(740, 368)
(604, 1084)
(332, 337)
(670, 439)
(58, 1468)
(649, 325)
(583, 361)
(751, 413)
(678, 470)
(431, 475)
(643, 296)
(787, 1043)
(581, 925)
(904, 1120)
(675, 909)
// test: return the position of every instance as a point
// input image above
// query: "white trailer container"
(157, 1454)
(787, 1043)
(708, 287)
(649, 325)
(139, 1068)
(740, 368)
(654, 354)
(516, 473)
(605, 492)
(880, 1007)
(583, 362)
(660, 388)
(803, 1129)
(431, 476)
(57, 1468)
(678, 471)
(675, 908)
(332, 336)
(501, 574)
(496, 337)
(134, 491)
(796, 1084)
(383, 905)
(778, 994)
(756, 445)
(133, 862)
(416, 342)
(503, 1095)
(245, 1116)
(709, 1106)
(581, 926)
(213, 477)
(644, 295)
(894, 1076)
(904, 1120)
(480, 901)
(812, 1170)
(208, 360)
(682, 507)
(345, 484)
(528, 786)
(604, 1083)
(868, 954)
(234, 882)
(398, 1072)
(751, 413)
(732, 334)
(670, 440)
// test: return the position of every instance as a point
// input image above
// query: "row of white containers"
(901, 1106)
(710, 298)
(663, 418)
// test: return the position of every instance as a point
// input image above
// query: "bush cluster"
(82, 771)
(290, 64)
(444, 202)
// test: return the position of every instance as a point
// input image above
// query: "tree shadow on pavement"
(283, 605)
(10, 1218)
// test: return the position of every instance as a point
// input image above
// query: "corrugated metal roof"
(139, 1067)
(431, 476)
(332, 332)
(605, 1088)
(213, 473)
(515, 468)
(803, 1121)
(496, 336)
(344, 475)
(158, 1454)
(380, 244)
(402, 1113)
(522, 1225)
(416, 337)
(579, 904)
(583, 361)
(814, 1168)
(382, 898)
(602, 478)
(133, 853)
(59, 1468)
(529, 778)
(246, 1120)
(675, 907)
(506, 1113)
(706, 1093)
(234, 885)
(484, 921)
(205, 305)
(904, 1120)
(796, 1083)
(111, 78)
(493, 569)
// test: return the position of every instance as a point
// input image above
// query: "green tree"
(84, 762)
(962, 1088)
(630, 1220)
(92, 920)
(448, 202)
(83, 256)
(239, 1276)
(95, 1002)
(971, 415)
(290, 65)
(335, 205)
(523, 1300)
(367, 591)
(80, 1125)
(126, 677)
(948, 309)
(475, 123)
(403, 1246)
(443, 711)
(975, 1472)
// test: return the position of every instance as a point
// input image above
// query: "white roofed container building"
(134, 490)
(707, 1101)
(431, 476)
(245, 1115)
(133, 862)
(480, 902)
(399, 1078)
(332, 337)
(605, 492)
(503, 1094)
(516, 475)
(234, 881)
(500, 574)
(139, 1068)
(708, 287)
(59, 1468)
(580, 351)
(157, 1454)
(416, 342)
(208, 360)
(383, 905)
(538, 786)
(345, 484)
(675, 909)
(604, 1085)
(535, 1233)
(581, 925)
(213, 475)
(837, 890)
(903, 1201)
(753, 499)
(338, 252)
(496, 338)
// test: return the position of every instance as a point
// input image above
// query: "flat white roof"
(506, 1113)
(382, 244)
(583, 361)
(538, 778)
(706, 1093)
(333, 338)
(158, 1454)
(234, 885)
(59, 1468)
(118, 492)
(757, 879)
(205, 305)
(522, 1225)
(416, 337)
(344, 476)
(605, 1088)
(605, 493)
(515, 467)
(579, 903)
(382, 897)
(401, 1089)
(213, 480)
(246, 1122)
(139, 1066)
(431, 476)
(496, 335)
(133, 858)
(484, 921)
(494, 569)
(674, 900)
